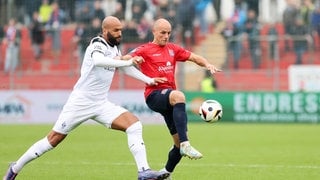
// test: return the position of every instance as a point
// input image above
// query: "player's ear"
(104, 32)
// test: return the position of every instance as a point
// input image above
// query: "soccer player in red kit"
(159, 60)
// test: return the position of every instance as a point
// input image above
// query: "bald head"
(110, 21)
(161, 31)
(111, 30)
(161, 24)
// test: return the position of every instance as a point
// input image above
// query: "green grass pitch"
(231, 152)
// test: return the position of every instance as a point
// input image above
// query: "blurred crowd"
(43, 22)
(45, 19)
(301, 22)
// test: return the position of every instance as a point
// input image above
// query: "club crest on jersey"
(171, 52)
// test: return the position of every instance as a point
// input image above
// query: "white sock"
(185, 143)
(35, 151)
(136, 146)
(164, 170)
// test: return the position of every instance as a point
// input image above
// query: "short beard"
(112, 40)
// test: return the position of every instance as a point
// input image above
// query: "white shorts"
(80, 109)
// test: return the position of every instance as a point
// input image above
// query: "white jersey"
(95, 81)
(88, 99)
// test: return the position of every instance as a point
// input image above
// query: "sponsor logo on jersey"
(107, 53)
(168, 68)
(97, 47)
(112, 69)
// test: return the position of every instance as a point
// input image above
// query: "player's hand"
(137, 60)
(158, 80)
(213, 69)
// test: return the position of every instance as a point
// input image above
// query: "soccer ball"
(210, 111)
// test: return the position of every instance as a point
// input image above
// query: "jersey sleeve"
(98, 45)
(181, 53)
(138, 51)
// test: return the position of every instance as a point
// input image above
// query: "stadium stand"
(272, 76)
(62, 73)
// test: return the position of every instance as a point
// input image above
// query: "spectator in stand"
(233, 40)
(12, 40)
(45, 12)
(163, 7)
(138, 8)
(217, 8)
(129, 33)
(185, 22)
(93, 30)
(98, 11)
(1, 33)
(1, 38)
(119, 12)
(209, 83)
(254, 5)
(306, 11)
(315, 23)
(290, 14)
(123, 4)
(68, 8)
(234, 29)
(252, 28)
(90, 31)
(28, 7)
(171, 16)
(200, 13)
(80, 40)
(300, 39)
(37, 35)
(83, 15)
(144, 30)
(273, 41)
(55, 22)
(239, 15)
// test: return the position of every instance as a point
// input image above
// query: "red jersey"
(160, 61)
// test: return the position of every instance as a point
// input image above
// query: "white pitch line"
(200, 165)
(256, 166)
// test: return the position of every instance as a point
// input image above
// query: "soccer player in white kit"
(89, 100)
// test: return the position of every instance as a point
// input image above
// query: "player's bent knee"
(177, 97)
(124, 121)
(135, 128)
(54, 138)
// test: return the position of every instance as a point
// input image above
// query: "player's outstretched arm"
(135, 73)
(136, 59)
(201, 61)
(100, 60)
